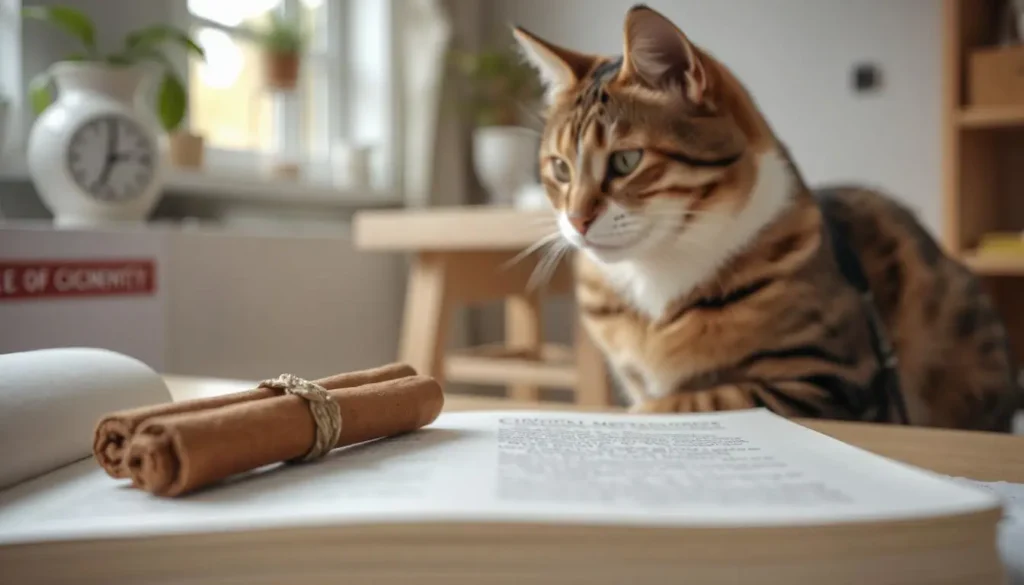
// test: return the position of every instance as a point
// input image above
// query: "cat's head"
(653, 151)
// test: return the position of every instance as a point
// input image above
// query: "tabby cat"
(713, 278)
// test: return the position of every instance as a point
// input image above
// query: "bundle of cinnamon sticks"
(175, 448)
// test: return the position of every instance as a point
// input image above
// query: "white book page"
(745, 468)
(50, 400)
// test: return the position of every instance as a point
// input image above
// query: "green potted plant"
(185, 147)
(500, 87)
(140, 49)
(282, 42)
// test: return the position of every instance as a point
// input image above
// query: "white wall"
(241, 304)
(228, 303)
(796, 57)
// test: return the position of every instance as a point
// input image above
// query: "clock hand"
(108, 163)
(111, 137)
(142, 158)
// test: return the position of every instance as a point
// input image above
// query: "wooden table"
(462, 255)
(974, 455)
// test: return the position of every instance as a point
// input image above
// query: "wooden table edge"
(450, 230)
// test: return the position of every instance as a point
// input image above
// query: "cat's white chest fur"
(660, 276)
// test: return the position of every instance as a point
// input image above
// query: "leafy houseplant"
(139, 48)
(500, 85)
(282, 41)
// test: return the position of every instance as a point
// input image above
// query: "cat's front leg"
(786, 398)
(730, 397)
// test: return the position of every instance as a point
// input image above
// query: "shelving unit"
(983, 164)
(994, 265)
(991, 117)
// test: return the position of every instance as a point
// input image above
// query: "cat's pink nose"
(581, 222)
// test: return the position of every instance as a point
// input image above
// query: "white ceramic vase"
(504, 159)
(531, 197)
(94, 155)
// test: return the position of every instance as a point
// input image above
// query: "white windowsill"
(246, 189)
(269, 190)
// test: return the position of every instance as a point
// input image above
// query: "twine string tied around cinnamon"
(326, 413)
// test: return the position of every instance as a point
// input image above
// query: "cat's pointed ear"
(559, 68)
(658, 54)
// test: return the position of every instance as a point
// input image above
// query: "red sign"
(24, 279)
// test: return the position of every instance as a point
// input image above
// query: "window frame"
(11, 75)
(346, 29)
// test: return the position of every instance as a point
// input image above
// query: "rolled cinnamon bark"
(114, 431)
(176, 454)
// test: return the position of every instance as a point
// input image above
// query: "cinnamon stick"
(114, 431)
(176, 454)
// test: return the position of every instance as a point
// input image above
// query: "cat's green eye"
(624, 162)
(560, 169)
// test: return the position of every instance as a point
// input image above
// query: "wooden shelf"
(992, 117)
(995, 264)
(983, 165)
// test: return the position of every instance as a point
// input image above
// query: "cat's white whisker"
(541, 243)
(552, 265)
(546, 267)
(559, 256)
(531, 283)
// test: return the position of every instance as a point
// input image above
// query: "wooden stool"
(462, 255)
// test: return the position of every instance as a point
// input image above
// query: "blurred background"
(304, 115)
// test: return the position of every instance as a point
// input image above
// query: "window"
(246, 125)
(10, 75)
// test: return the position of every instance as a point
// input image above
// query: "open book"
(503, 497)
(51, 399)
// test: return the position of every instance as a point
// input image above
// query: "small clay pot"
(285, 170)
(186, 149)
(281, 70)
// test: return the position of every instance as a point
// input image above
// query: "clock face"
(111, 158)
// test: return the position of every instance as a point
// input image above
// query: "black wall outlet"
(867, 77)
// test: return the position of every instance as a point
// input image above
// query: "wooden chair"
(462, 255)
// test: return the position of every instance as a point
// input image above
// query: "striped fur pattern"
(706, 273)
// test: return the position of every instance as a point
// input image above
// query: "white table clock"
(91, 156)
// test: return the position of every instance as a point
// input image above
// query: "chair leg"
(524, 331)
(592, 384)
(425, 321)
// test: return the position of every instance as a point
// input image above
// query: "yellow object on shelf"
(1002, 243)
